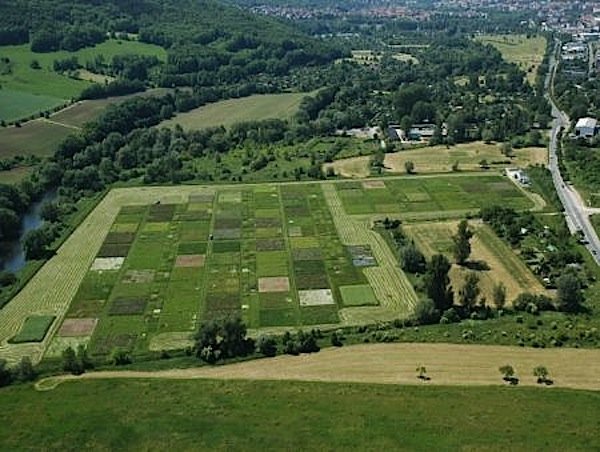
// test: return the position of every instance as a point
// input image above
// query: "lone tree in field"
(224, 338)
(542, 374)
(422, 373)
(437, 282)
(462, 242)
(469, 293)
(499, 295)
(568, 293)
(508, 374)
(409, 166)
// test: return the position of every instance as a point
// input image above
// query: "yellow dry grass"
(504, 265)
(447, 364)
(439, 159)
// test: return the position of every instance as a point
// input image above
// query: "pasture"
(491, 258)
(525, 52)
(149, 264)
(239, 415)
(33, 90)
(228, 112)
(440, 159)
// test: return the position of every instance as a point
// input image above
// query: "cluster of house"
(417, 132)
(586, 127)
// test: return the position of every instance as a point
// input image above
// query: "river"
(12, 256)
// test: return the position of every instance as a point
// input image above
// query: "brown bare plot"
(190, 260)
(274, 284)
(77, 327)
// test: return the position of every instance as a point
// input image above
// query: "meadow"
(149, 264)
(228, 112)
(440, 159)
(26, 91)
(491, 258)
(239, 415)
(526, 52)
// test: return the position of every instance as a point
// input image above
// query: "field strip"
(447, 364)
(390, 284)
(68, 126)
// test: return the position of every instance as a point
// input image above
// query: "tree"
(83, 358)
(5, 374)
(499, 295)
(462, 242)
(336, 339)
(470, 291)
(508, 374)
(119, 357)
(50, 211)
(422, 373)
(409, 166)
(25, 370)
(506, 149)
(70, 362)
(36, 242)
(568, 293)
(413, 261)
(425, 312)
(223, 338)
(437, 282)
(455, 167)
(266, 345)
(541, 373)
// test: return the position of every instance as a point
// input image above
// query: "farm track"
(390, 284)
(447, 364)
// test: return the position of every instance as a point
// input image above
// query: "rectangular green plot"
(267, 213)
(223, 258)
(276, 300)
(265, 233)
(146, 255)
(34, 329)
(116, 332)
(361, 295)
(226, 246)
(86, 308)
(278, 317)
(319, 315)
(191, 274)
(125, 227)
(97, 285)
(266, 200)
(193, 231)
(156, 227)
(271, 263)
(179, 310)
(191, 248)
(304, 242)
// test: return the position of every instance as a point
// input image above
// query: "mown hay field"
(232, 111)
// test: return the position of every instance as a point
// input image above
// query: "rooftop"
(586, 122)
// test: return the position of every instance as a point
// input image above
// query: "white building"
(586, 127)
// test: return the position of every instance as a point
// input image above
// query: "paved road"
(576, 212)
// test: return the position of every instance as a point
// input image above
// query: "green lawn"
(34, 329)
(258, 415)
(231, 111)
(31, 90)
(37, 137)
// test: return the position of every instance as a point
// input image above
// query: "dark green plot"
(278, 317)
(191, 248)
(34, 329)
(318, 315)
(127, 306)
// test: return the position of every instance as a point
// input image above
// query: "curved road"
(576, 212)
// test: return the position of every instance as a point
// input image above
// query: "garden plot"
(274, 284)
(34, 329)
(107, 263)
(190, 260)
(362, 256)
(318, 297)
(362, 295)
(77, 327)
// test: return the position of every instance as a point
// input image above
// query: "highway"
(576, 213)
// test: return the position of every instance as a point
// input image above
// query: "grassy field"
(42, 136)
(15, 175)
(231, 111)
(527, 53)
(439, 159)
(247, 415)
(140, 275)
(27, 91)
(504, 265)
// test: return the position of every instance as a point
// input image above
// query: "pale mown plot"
(392, 287)
(447, 364)
(504, 265)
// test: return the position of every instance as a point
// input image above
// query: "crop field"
(228, 112)
(440, 159)
(32, 90)
(149, 264)
(413, 197)
(526, 52)
(503, 265)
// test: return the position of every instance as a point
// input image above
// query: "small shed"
(586, 127)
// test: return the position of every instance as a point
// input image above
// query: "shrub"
(120, 357)
(267, 346)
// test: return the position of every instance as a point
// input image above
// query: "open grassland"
(38, 137)
(526, 52)
(440, 159)
(247, 415)
(446, 364)
(232, 111)
(34, 90)
(42, 136)
(504, 265)
(15, 175)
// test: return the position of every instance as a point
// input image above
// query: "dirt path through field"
(447, 364)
